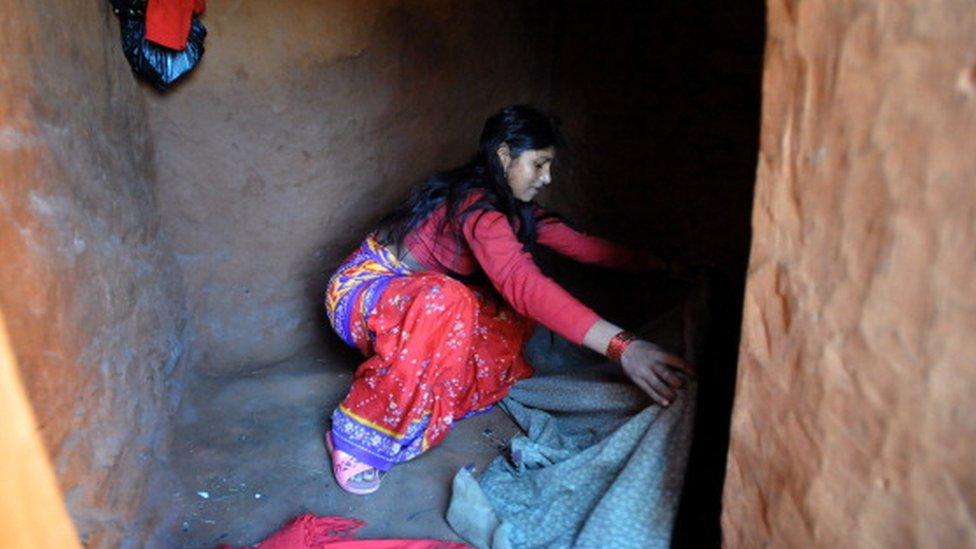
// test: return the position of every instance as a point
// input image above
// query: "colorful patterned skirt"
(438, 351)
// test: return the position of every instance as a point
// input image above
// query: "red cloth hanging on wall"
(168, 21)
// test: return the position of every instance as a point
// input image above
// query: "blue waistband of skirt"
(371, 282)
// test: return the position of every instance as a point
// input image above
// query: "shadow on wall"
(660, 103)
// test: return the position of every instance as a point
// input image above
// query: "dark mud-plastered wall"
(304, 123)
(660, 103)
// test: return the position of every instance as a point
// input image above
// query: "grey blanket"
(598, 466)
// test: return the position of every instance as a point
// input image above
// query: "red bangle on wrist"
(618, 344)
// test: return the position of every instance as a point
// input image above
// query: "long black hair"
(522, 128)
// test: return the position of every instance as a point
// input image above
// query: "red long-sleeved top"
(489, 241)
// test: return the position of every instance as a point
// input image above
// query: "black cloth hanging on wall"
(157, 64)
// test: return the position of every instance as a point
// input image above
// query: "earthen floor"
(248, 455)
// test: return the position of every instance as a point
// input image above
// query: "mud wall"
(306, 122)
(856, 390)
(90, 295)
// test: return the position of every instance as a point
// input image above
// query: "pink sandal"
(352, 475)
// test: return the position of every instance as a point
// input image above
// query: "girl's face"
(527, 172)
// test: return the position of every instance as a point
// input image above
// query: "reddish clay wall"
(853, 422)
(91, 296)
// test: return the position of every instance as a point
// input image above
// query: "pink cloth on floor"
(309, 531)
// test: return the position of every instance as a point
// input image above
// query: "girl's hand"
(655, 371)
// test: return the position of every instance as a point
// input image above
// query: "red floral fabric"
(439, 351)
